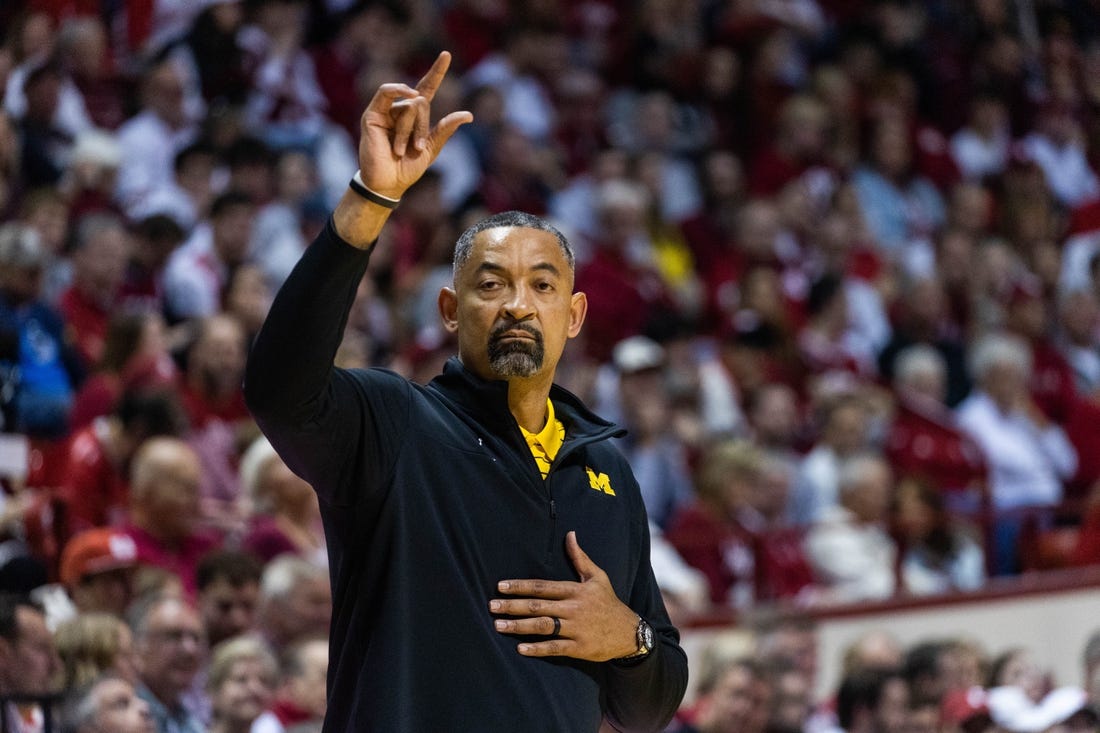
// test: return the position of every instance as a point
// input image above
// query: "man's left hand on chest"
(591, 622)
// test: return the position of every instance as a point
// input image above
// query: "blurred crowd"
(842, 259)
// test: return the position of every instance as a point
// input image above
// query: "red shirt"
(181, 560)
(924, 443)
(722, 551)
(95, 491)
(88, 320)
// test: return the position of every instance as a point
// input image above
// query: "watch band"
(645, 637)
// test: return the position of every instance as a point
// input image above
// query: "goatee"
(515, 357)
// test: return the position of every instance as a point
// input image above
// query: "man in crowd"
(109, 703)
(169, 642)
(28, 664)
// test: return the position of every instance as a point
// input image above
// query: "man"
(229, 589)
(295, 601)
(455, 512)
(300, 698)
(872, 700)
(734, 697)
(169, 641)
(100, 256)
(108, 704)
(28, 663)
(97, 570)
(851, 553)
(164, 505)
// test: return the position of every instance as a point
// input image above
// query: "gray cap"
(21, 247)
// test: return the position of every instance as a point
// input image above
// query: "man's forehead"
(500, 246)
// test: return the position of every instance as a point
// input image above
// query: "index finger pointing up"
(431, 81)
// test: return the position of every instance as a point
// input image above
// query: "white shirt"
(149, 149)
(853, 560)
(1066, 169)
(194, 277)
(977, 156)
(1026, 464)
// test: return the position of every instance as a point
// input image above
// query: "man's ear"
(578, 309)
(448, 309)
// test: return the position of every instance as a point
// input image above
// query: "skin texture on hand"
(595, 625)
(396, 146)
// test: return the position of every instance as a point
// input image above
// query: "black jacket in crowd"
(430, 496)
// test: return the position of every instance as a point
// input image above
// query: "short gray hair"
(465, 242)
(999, 349)
(285, 572)
(853, 469)
(917, 360)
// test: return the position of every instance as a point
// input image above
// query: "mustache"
(498, 331)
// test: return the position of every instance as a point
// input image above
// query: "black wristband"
(357, 185)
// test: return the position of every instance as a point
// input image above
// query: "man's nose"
(519, 304)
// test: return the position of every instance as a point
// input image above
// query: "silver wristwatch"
(646, 640)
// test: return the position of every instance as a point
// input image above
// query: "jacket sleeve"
(644, 695)
(327, 423)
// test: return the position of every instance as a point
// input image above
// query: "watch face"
(645, 634)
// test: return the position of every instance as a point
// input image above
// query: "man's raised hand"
(397, 142)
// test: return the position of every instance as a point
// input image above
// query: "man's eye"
(544, 286)
(489, 285)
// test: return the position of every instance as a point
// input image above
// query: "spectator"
(625, 291)
(154, 239)
(212, 47)
(798, 146)
(1028, 457)
(97, 571)
(281, 233)
(109, 703)
(300, 699)
(899, 205)
(95, 481)
(872, 701)
(28, 663)
(924, 317)
(925, 441)
(844, 426)
(1079, 339)
(135, 356)
(1057, 147)
(708, 534)
(285, 99)
(100, 258)
(91, 645)
(829, 342)
(659, 461)
(170, 643)
(196, 273)
(851, 554)
(733, 697)
(45, 146)
(229, 588)
(241, 682)
(164, 504)
(186, 197)
(981, 148)
(939, 555)
(38, 382)
(295, 601)
(151, 138)
(84, 55)
(286, 516)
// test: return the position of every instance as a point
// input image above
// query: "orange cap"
(96, 551)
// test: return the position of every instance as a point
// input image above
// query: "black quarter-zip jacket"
(430, 496)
